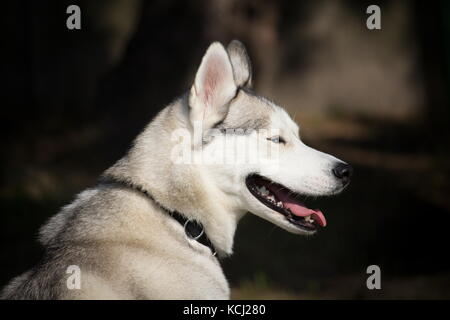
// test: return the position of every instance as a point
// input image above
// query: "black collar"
(193, 228)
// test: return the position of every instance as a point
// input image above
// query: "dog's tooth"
(264, 191)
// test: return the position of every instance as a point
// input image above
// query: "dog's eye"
(277, 139)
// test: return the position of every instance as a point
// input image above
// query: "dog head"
(256, 156)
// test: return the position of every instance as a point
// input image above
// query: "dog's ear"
(213, 89)
(242, 68)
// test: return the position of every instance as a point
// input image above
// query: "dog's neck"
(178, 187)
(193, 229)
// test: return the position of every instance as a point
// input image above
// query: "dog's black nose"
(343, 172)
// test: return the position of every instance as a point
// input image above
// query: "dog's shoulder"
(50, 230)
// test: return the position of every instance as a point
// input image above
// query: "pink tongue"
(299, 210)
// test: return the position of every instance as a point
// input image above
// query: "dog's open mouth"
(285, 201)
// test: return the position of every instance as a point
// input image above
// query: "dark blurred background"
(73, 100)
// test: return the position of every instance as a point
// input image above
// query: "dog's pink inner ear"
(212, 79)
(214, 82)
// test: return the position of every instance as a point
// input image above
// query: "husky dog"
(154, 227)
